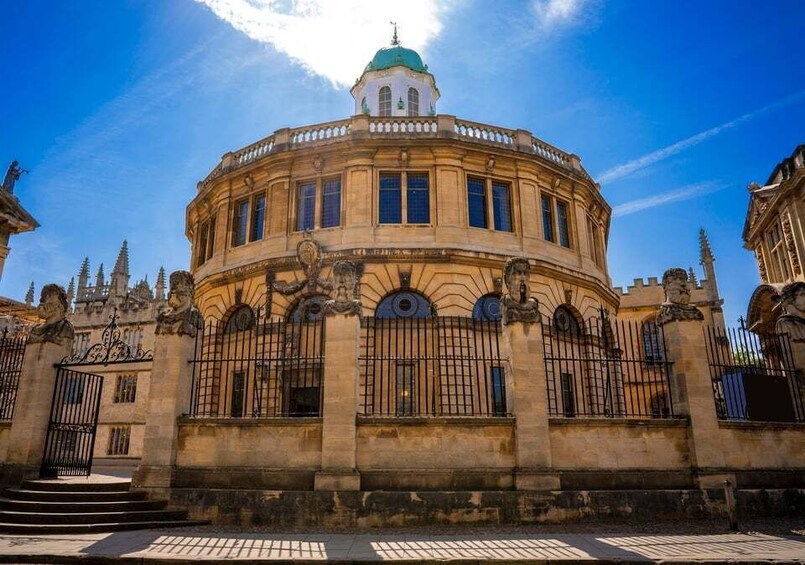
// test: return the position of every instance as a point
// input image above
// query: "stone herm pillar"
(48, 345)
(521, 319)
(170, 390)
(341, 350)
(792, 323)
(691, 385)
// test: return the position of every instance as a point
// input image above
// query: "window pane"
(385, 101)
(201, 244)
(306, 206)
(405, 389)
(568, 396)
(390, 199)
(547, 219)
(561, 217)
(498, 391)
(258, 218)
(501, 207)
(331, 204)
(211, 239)
(413, 102)
(476, 202)
(240, 222)
(418, 199)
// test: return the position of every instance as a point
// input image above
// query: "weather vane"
(394, 40)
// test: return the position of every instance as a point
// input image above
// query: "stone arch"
(405, 304)
(487, 307)
(762, 311)
(239, 318)
(568, 320)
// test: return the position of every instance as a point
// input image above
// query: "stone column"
(341, 350)
(691, 385)
(48, 345)
(170, 388)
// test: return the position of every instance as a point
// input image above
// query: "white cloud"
(684, 193)
(630, 167)
(334, 38)
(556, 13)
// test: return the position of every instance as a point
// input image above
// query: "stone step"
(12, 517)
(68, 496)
(43, 528)
(76, 485)
(51, 507)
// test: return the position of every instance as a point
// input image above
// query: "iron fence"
(258, 369)
(753, 376)
(441, 366)
(606, 368)
(12, 354)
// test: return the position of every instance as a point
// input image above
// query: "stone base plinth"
(156, 479)
(337, 480)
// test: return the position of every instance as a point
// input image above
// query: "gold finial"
(394, 39)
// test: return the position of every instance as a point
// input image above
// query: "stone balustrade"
(415, 127)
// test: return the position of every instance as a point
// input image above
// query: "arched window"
(404, 304)
(413, 102)
(240, 320)
(564, 320)
(308, 309)
(364, 106)
(487, 308)
(384, 101)
(653, 350)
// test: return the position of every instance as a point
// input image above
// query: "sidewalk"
(184, 546)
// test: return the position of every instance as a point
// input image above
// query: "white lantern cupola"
(395, 83)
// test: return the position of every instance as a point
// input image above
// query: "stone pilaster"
(26, 441)
(342, 339)
(529, 403)
(169, 398)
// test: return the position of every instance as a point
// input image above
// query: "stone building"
(774, 231)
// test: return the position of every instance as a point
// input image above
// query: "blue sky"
(119, 108)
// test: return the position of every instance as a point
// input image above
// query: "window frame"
(125, 389)
(205, 241)
(253, 236)
(240, 220)
(385, 113)
(318, 184)
(490, 200)
(119, 440)
(405, 196)
(251, 207)
(413, 102)
(552, 225)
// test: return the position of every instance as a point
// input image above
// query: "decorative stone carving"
(517, 304)
(318, 164)
(345, 281)
(677, 304)
(405, 279)
(490, 163)
(761, 265)
(53, 308)
(792, 322)
(308, 255)
(791, 246)
(404, 156)
(181, 317)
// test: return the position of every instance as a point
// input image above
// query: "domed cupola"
(395, 83)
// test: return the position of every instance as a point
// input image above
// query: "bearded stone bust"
(517, 305)
(345, 282)
(53, 308)
(792, 321)
(181, 316)
(677, 306)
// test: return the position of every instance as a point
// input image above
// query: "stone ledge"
(283, 421)
(678, 422)
(429, 420)
(754, 426)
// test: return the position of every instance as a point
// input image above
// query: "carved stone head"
(52, 303)
(792, 299)
(344, 279)
(516, 275)
(182, 289)
(675, 285)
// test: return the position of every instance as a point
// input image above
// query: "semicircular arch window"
(240, 320)
(404, 304)
(565, 321)
(487, 308)
(308, 309)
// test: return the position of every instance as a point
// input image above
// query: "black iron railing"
(753, 376)
(606, 368)
(12, 354)
(258, 369)
(444, 366)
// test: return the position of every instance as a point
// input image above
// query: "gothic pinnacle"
(122, 263)
(29, 296)
(705, 253)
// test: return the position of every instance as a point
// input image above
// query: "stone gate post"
(170, 388)
(529, 396)
(691, 385)
(48, 345)
(341, 350)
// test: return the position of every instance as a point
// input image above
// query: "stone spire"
(29, 296)
(100, 280)
(705, 253)
(692, 278)
(83, 279)
(70, 291)
(119, 283)
(707, 261)
(159, 287)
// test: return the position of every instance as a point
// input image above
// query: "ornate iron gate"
(73, 422)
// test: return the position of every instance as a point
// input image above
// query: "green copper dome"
(395, 56)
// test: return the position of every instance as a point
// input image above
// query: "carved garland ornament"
(792, 248)
(761, 265)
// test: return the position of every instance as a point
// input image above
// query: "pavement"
(179, 546)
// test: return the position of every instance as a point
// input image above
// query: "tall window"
(80, 343)
(547, 219)
(390, 211)
(476, 202)
(205, 242)
(652, 342)
(331, 203)
(384, 101)
(568, 395)
(501, 206)
(418, 203)
(119, 440)
(498, 387)
(594, 242)
(562, 224)
(125, 389)
(413, 102)
(778, 253)
(258, 218)
(405, 388)
(306, 206)
(240, 222)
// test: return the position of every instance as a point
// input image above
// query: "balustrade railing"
(321, 132)
(413, 126)
(254, 151)
(481, 132)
